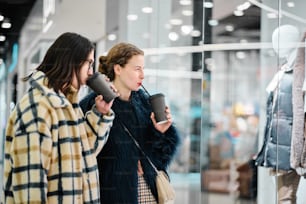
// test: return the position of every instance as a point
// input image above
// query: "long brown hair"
(63, 59)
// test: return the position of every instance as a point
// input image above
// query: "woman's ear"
(117, 69)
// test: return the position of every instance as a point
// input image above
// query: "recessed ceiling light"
(238, 13)
(187, 12)
(195, 33)
(240, 55)
(147, 9)
(185, 2)
(229, 28)
(290, 4)
(132, 17)
(1, 17)
(186, 29)
(208, 5)
(244, 6)
(213, 22)
(176, 21)
(272, 15)
(6, 24)
(2, 38)
(111, 37)
(173, 36)
(243, 41)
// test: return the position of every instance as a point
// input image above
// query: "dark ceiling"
(246, 26)
(17, 12)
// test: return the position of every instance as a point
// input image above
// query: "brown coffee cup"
(98, 83)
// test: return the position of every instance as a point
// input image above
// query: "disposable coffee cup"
(98, 83)
(159, 106)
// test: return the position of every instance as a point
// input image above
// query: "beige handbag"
(165, 191)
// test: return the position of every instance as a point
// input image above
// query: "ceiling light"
(208, 5)
(244, 6)
(6, 24)
(2, 38)
(111, 37)
(186, 29)
(213, 22)
(176, 21)
(1, 17)
(132, 17)
(290, 4)
(240, 55)
(195, 33)
(272, 15)
(229, 28)
(185, 2)
(238, 13)
(173, 36)
(147, 9)
(187, 12)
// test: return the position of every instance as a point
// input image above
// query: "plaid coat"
(50, 148)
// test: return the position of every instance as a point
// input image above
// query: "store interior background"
(213, 61)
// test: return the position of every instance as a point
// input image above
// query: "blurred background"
(213, 59)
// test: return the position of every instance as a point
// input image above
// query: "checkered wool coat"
(51, 148)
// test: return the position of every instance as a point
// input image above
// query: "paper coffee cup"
(98, 83)
(158, 107)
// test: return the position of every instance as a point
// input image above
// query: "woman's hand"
(163, 127)
(102, 106)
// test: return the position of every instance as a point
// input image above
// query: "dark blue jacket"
(275, 152)
(117, 162)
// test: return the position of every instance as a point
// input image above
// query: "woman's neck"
(124, 93)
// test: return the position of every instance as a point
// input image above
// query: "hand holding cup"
(161, 115)
(101, 86)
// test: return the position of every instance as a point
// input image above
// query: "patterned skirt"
(145, 195)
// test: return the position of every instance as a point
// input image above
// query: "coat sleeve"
(297, 141)
(98, 127)
(96, 123)
(161, 147)
(164, 146)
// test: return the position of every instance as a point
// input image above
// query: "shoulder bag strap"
(137, 144)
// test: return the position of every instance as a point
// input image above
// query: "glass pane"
(170, 33)
(251, 46)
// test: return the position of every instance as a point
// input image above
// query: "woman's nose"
(142, 74)
(90, 72)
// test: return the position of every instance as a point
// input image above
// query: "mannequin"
(284, 42)
(276, 150)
